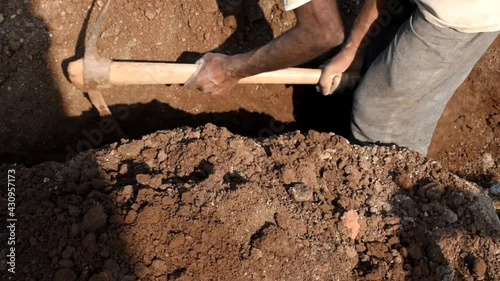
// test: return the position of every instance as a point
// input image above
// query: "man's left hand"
(332, 71)
(213, 75)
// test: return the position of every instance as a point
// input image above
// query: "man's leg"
(403, 94)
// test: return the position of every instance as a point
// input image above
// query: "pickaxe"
(93, 72)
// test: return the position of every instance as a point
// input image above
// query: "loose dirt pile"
(204, 204)
(43, 117)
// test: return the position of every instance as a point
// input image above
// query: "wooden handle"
(139, 73)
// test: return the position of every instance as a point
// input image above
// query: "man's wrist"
(348, 51)
(235, 66)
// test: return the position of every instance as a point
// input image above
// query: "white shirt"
(468, 16)
(294, 4)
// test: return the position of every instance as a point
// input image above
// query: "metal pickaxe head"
(95, 69)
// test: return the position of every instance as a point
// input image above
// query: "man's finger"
(326, 88)
(324, 84)
(329, 85)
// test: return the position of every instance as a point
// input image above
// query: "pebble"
(350, 252)
(230, 22)
(150, 14)
(495, 189)
(2, 18)
(301, 193)
(488, 161)
(160, 267)
(123, 169)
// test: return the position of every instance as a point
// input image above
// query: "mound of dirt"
(204, 204)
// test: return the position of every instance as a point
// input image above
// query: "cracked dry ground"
(204, 204)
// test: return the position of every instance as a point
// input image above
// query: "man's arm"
(354, 46)
(318, 29)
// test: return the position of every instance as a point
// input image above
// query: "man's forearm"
(319, 28)
(364, 22)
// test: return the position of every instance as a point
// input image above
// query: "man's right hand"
(213, 75)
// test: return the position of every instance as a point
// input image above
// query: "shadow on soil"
(34, 132)
(433, 215)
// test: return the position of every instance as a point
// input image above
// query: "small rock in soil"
(495, 189)
(351, 221)
(160, 267)
(488, 161)
(230, 21)
(150, 14)
(94, 219)
(2, 18)
(301, 193)
(123, 169)
(351, 252)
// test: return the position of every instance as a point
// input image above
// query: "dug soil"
(204, 204)
(43, 117)
(248, 198)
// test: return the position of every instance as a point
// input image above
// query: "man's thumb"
(335, 83)
(191, 82)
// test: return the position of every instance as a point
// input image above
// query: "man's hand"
(351, 56)
(333, 70)
(213, 75)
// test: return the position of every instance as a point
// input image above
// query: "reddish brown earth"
(43, 117)
(204, 204)
(207, 203)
